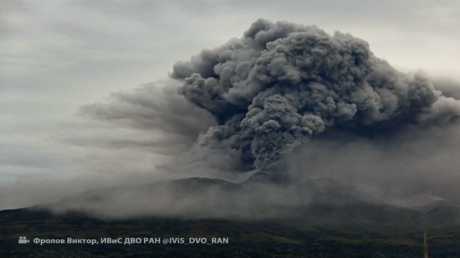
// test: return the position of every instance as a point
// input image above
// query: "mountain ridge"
(343, 229)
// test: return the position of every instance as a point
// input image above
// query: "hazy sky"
(59, 55)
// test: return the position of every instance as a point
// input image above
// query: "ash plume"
(285, 99)
(282, 83)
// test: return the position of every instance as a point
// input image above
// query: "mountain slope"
(354, 226)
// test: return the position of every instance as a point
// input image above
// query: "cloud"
(282, 83)
(387, 163)
(161, 118)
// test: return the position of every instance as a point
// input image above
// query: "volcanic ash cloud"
(282, 83)
(273, 89)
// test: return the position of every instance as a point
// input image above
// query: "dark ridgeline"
(332, 219)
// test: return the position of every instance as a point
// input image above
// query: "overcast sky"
(59, 55)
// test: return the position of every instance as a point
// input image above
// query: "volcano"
(323, 217)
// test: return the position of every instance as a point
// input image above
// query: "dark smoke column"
(281, 83)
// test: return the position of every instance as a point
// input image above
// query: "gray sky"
(59, 55)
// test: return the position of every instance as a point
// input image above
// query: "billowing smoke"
(286, 99)
(282, 83)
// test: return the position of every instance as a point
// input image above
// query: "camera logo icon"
(23, 240)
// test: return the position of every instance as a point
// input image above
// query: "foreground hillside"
(348, 228)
